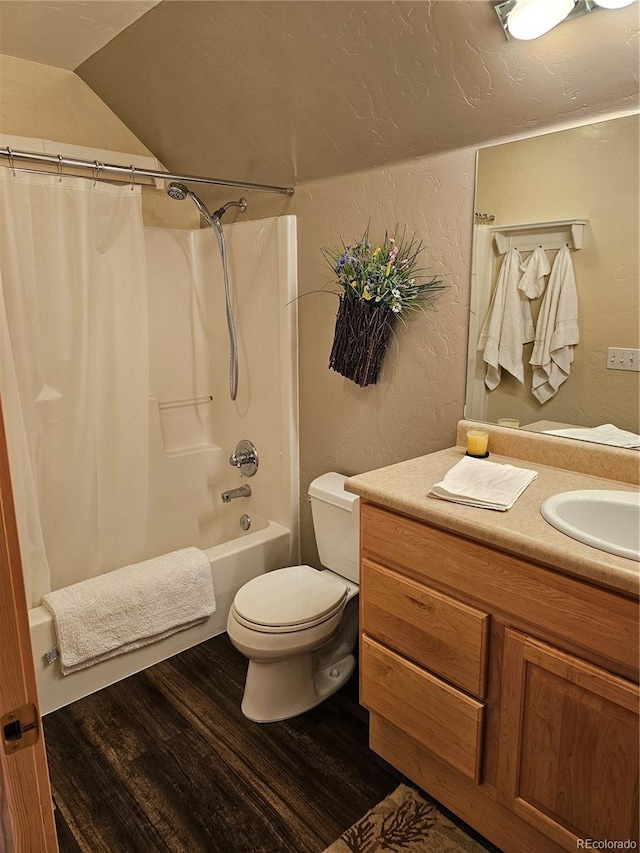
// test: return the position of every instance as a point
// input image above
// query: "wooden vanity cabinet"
(506, 690)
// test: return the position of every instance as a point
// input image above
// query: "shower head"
(177, 191)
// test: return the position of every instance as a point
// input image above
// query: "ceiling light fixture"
(613, 4)
(530, 19)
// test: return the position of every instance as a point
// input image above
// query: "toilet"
(299, 625)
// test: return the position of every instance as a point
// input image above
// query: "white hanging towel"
(508, 325)
(534, 269)
(556, 331)
(131, 607)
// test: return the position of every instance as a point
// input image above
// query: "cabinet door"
(568, 760)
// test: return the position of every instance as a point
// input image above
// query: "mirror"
(587, 175)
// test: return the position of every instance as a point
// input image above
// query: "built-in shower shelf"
(185, 425)
(527, 236)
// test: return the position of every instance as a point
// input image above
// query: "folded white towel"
(477, 482)
(508, 325)
(556, 330)
(603, 434)
(131, 607)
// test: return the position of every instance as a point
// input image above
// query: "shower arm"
(242, 204)
(129, 173)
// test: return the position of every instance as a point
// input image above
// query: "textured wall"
(419, 397)
(588, 173)
(50, 103)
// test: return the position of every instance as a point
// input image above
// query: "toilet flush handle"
(245, 458)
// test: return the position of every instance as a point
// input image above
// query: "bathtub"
(233, 563)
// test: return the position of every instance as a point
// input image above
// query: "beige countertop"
(521, 530)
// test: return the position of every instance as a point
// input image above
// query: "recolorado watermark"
(605, 844)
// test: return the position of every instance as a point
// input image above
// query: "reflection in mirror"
(577, 187)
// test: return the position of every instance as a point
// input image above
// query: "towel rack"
(527, 236)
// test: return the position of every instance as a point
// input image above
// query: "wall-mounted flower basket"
(360, 340)
(378, 285)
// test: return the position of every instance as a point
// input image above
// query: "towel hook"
(12, 165)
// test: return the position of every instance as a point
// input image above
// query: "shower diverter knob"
(245, 458)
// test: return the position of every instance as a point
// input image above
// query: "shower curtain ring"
(96, 171)
(59, 167)
(133, 173)
(12, 165)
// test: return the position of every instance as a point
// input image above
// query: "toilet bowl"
(298, 625)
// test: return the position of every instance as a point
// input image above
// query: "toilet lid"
(286, 598)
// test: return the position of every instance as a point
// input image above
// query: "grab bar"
(188, 401)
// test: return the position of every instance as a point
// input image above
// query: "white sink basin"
(605, 519)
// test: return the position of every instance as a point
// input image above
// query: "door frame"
(26, 807)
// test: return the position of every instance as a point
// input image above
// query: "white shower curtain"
(74, 375)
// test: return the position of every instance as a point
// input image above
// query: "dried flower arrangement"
(377, 285)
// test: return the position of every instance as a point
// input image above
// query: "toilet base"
(278, 690)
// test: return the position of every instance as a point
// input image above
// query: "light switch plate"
(623, 358)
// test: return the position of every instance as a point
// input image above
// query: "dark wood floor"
(165, 761)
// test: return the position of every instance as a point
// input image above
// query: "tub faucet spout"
(240, 492)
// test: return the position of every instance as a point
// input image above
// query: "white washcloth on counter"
(508, 325)
(478, 482)
(130, 607)
(603, 434)
(556, 330)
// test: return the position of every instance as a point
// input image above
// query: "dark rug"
(404, 823)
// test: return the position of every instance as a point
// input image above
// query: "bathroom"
(181, 105)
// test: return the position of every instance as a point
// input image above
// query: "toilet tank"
(336, 521)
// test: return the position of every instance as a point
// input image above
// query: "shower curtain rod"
(130, 172)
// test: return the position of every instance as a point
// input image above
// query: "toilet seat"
(292, 599)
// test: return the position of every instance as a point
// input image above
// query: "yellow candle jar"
(478, 443)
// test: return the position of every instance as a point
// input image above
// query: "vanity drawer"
(560, 607)
(442, 719)
(445, 636)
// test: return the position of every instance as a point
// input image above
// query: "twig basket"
(360, 340)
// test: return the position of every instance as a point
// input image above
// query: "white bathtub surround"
(131, 607)
(190, 445)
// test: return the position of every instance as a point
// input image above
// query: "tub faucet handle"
(245, 458)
